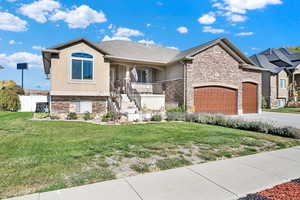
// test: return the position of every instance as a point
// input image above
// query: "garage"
(249, 97)
(215, 99)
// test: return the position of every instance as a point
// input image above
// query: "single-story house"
(128, 77)
(281, 81)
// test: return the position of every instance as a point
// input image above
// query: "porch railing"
(115, 100)
(133, 95)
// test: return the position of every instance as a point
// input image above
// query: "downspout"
(184, 84)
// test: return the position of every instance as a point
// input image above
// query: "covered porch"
(140, 83)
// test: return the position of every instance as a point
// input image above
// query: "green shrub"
(264, 102)
(87, 116)
(175, 116)
(109, 116)
(176, 109)
(257, 126)
(41, 115)
(72, 116)
(170, 163)
(156, 118)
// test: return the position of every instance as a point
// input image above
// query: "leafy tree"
(295, 49)
(9, 96)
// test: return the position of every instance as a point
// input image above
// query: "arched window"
(82, 66)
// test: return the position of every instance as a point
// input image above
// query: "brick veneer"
(61, 104)
(215, 66)
(174, 92)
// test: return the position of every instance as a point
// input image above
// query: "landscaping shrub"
(41, 115)
(257, 126)
(72, 116)
(109, 116)
(156, 118)
(176, 113)
(9, 100)
(87, 116)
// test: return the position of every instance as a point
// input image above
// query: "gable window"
(82, 66)
(283, 84)
(141, 76)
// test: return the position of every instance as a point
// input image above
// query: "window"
(80, 106)
(283, 83)
(82, 66)
(141, 76)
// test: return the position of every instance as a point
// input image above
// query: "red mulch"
(286, 191)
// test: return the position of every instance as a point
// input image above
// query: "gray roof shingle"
(138, 51)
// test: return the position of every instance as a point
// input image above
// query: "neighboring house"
(128, 77)
(281, 81)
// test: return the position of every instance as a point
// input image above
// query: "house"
(281, 81)
(128, 77)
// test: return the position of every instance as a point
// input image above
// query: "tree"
(295, 49)
(9, 96)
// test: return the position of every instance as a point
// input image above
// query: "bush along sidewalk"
(221, 120)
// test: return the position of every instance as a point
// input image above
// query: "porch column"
(127, 73)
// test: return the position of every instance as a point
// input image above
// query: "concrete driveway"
(281, 119)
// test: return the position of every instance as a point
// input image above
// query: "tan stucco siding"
(61, 79)
(174, 71)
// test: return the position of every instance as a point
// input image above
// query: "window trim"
(285, 85)
(82, 59)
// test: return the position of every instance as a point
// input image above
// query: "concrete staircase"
(129, 108)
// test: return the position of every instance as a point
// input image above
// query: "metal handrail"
(115, 99)
(133, 95)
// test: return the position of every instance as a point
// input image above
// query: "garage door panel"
(250, 103)
(215, 100)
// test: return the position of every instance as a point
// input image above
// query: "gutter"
(135, 60)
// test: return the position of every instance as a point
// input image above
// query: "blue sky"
(28, 26)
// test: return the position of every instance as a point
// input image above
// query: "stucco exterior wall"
(174, 71)
(61, 83)
(215, 67)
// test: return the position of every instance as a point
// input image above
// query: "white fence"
(28, 103)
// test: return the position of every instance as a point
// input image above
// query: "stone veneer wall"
(174, 92)
(61, 104)
(215, 67)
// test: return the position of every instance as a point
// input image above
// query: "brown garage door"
(215, 100)
(249, 98)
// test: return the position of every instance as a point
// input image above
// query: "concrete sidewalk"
(227, 179)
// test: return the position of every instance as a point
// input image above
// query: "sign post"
(22, 66)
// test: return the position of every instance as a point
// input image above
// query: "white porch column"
(127, 74)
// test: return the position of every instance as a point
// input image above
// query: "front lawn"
(37, 156)
(284, 110)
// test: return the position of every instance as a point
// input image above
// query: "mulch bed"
(286, 191)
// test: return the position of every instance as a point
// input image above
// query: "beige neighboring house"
(129, 77)
(281, 81)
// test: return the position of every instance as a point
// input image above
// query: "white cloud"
(146, 42)
(9, 22)
(241, 6)
(80, 17)
(148, 25)
(254, 48)
(245, 34)
(11, 42)
(236, 18)
(127, 32)
(209, 29)
(40, 10)
(108, 38)
(37, 48)
(182, 29)
(11, 60)
(207, 18)
(110, 26)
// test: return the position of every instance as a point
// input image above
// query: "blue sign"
(22, 66)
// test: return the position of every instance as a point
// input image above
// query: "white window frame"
(80, 106)
(82, 59)
(284, 86)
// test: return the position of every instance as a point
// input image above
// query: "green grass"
(284, 110)
(47, 155)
